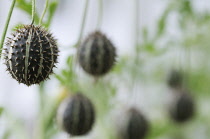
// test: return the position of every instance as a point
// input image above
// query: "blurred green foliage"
(193, 28)
(1, 110)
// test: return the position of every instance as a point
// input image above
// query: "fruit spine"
(31, 54)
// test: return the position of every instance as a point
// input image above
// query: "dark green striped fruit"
(31, 54)
(96, 54)
(182, 109)
(134, 125)
(175, 79)
(76, 115)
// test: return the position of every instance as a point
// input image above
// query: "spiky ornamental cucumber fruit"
(182, 108)
(31, 54)
(76, 115)
(133, 126)
(96, 54)
(175, 79)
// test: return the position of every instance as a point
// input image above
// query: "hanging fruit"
(31, 54)
(133, 125)
(76, 115)
(96, 54)
(182, 107)
(175, 79)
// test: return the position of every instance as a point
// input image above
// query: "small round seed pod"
(31, 54)
(175, 79)
(133, 126)
(76, 115)
(96, 54)
(182, 109)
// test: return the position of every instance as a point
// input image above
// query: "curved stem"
(100, 14)
(6, 25)
(33, 10)
(83, 23)
(44, 11)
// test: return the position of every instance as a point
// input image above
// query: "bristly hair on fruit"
(30, 54)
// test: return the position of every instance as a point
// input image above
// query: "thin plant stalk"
(83, 23)
(136, 45)
(136, 30)
(137, 23)
(33, 10)
(44, 11)
(6, 25)
(100, 14)
(81, 31)
(41, 129)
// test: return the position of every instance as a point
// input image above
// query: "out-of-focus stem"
(33, 10)
(44, 11)
(41, 111)
(100, 14)
(83, 23)
(137, 22)
(6, 25)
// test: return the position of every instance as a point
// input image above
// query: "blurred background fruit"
(151, 38)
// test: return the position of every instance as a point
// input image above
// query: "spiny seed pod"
(96, 54)
(182, 109)
(76, 115)
(175, 79)
(134, 126)
(31, 54)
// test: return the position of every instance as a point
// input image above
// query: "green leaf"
(27, 8)
(161, 25)
(120, 65)
(149, 47)
(51, 11)
(17, 26)
(60, 78)
(65, 73)
(186, 7)
(1, 110)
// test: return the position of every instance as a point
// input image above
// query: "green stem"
(6, 25)
(33, 10)
(41, 115)
(136, 45)
(100, 14)
(44, 11)
(137, 23)
(83, 23)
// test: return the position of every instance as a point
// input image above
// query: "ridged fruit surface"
(175, 79)
(133, 125)
(30, 54)
(97, 54)
(183, 108)
(76, 115)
